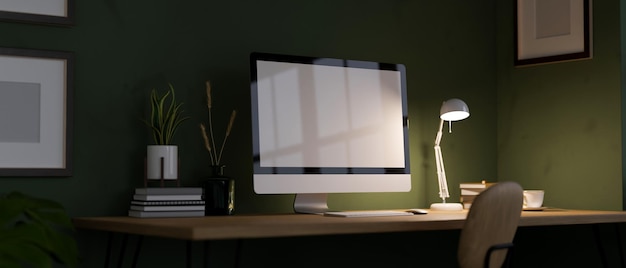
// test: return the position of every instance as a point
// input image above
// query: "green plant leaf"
(165, 116)
(9, 262)
(35, 231)
(26, 242)
(23, 255)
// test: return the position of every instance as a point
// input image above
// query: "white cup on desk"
(533, 198)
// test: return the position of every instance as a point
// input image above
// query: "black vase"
(219, 193)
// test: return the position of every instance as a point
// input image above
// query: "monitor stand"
(310, 203)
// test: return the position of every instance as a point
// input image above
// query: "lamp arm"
(439, 133)
(441, 172)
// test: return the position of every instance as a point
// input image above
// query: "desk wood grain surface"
(286, 225)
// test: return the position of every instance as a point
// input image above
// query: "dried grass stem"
(209, 138)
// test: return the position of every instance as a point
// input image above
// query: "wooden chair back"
(492, 220)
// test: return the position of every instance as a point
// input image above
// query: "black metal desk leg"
(205, 254)
(107, 259)
(238, 250)
(618, 234)
(596, 234)
(137, 249)
(120, 261)
(189, 264)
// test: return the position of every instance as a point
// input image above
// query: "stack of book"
(469, 191)
(160, 202)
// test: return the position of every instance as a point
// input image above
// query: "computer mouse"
(418, 211)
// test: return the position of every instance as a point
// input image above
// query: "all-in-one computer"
(327, 125)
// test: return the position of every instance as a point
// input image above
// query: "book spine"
(471, 192)
(167, 203)
(169, 191)
(144, 197)
(165, 214)
(472, 186)
(467, 198)
(475, 185)
(165, 208)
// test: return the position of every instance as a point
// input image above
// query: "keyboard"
(367, 213)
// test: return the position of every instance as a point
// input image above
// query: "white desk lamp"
(451, 110)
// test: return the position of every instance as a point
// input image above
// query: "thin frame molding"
(587, 45)
(68, 20)
(67, 169)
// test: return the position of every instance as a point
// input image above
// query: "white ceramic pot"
(169, 165)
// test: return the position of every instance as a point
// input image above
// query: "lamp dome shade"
(454, 110)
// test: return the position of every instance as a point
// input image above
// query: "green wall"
(559, 124)
(451, 49)
(124, 49)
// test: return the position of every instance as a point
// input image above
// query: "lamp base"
(446, 206)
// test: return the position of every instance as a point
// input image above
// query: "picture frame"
(55, 12)
(36, 112)
(552, 31)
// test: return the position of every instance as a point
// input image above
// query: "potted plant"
(165, 118)
(35, 232)
(219, 190)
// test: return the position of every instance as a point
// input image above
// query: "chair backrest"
(492, 219)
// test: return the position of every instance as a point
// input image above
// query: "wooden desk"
(266, 226)
(239, 227)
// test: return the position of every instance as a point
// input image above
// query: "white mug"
(533, 198)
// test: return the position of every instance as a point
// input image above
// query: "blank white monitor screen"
(323, 125)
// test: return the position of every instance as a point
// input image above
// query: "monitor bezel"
(258, 169)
